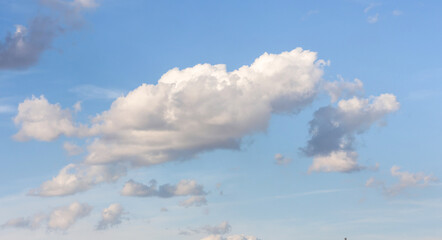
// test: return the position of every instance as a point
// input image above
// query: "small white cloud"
(111, 216)
(76, 178)
(196, 201)
(373, 19)
(64, 217)
(406, 180)
(341, 88)
(41, 120)
(281, 160)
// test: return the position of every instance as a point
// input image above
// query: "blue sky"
(334, 133)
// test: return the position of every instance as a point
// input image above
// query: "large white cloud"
(333, 131)
(203, 108)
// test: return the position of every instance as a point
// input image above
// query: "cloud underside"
(203, 108)
(333, 131)
(189, 188)
(23, 48)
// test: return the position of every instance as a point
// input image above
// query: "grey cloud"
(24, 47)
(182, 188)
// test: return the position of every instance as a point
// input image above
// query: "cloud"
(203, 108)
(41, 120)
(373, 18)
(6, 109)
(340, 89)
(333, 131)
(31, 223)
(196, 201)
(182, 188)
(60, 219)
(281, 160)
(220, 229)
(231, 237)
(94, 92)
(23, 48)
(406, 180)
(111, 216)
(72, 149)
(76, 178)
(397, 12)
(64, 217)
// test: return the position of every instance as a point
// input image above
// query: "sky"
(220, 120)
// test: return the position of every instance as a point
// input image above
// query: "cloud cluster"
(183, 188)
(60, 219)
(188, 112)
(333, 131)
(24, 47)
(406, 180)
(111, 216)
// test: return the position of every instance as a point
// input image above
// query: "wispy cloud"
(373, 19)
(95, 92)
